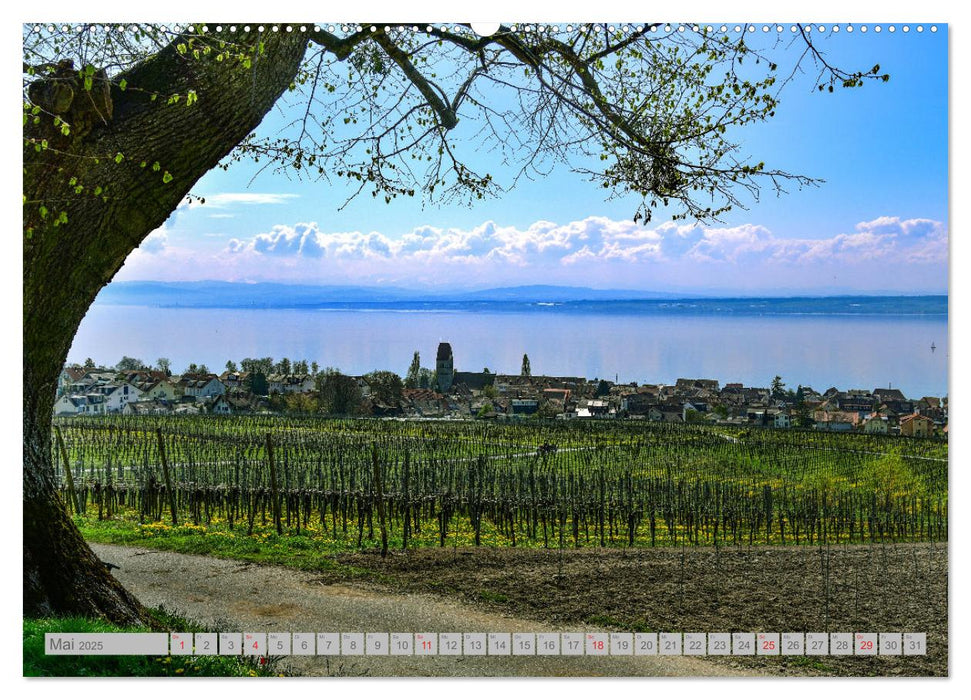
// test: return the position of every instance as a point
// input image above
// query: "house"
(274, 383)
(638, 404)
(69, 405)
(855, 400)
(424, 402)
(142, 376)
(145, 408)
(931, 407)
(289, 383)
(161, 390)
(116, 395)
(298, 383)
(598, 408)
(884, 395)
(783, 419)
(559, 398)
(69, 376)
(695, 408)
(234, 380)
(683, 386)
(897, 406)
(233, 403)
(94, 377)
(836, 421)
(876, 425)
(525, 407)
(916, 425)
(199, 385)
(80, 405)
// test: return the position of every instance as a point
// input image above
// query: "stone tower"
(444, 368)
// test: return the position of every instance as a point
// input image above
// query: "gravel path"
(229, 595)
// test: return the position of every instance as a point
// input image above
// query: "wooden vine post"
(275, 493)
(379, 493)
(168, 476)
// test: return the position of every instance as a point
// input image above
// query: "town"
(285, 387)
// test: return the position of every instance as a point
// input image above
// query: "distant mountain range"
(211, 294)
(266, 295)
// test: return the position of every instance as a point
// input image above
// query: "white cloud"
(155, 242)
(223, 200)
(884, 253)
(546, 244)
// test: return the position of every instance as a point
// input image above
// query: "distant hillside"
(271, 295)
(551, 299)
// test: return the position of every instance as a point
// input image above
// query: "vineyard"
(362, 484)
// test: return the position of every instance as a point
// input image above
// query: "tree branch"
(446, 115)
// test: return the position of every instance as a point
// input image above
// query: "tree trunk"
(66, 265)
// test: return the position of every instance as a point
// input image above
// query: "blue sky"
(877, 224)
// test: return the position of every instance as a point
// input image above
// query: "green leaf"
(119, 157)
(156, 167)
(88, 83)
(122, 84)
(167, 177)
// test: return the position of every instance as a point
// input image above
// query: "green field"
(252, 484)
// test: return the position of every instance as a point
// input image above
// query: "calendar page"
(443, 349)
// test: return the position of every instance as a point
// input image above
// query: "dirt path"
(236, 596)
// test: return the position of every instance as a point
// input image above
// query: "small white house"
(117, 396)
(69, 405)
(200, 385)
(80, 405)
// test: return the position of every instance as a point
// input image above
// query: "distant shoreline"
(270, 297)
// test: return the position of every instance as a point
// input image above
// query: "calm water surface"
(813, 350)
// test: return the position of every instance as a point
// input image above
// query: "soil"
(227, 595)
(878, 588)
(875, 588)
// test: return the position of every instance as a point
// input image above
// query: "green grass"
(37, 663)
(311, 549)
(493, 597)
(308, 551)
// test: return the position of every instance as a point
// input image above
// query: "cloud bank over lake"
(887, 253)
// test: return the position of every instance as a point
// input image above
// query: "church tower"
(444, 368)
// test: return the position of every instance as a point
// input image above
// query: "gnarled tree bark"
(66, 265)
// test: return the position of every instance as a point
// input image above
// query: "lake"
(628, 343)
